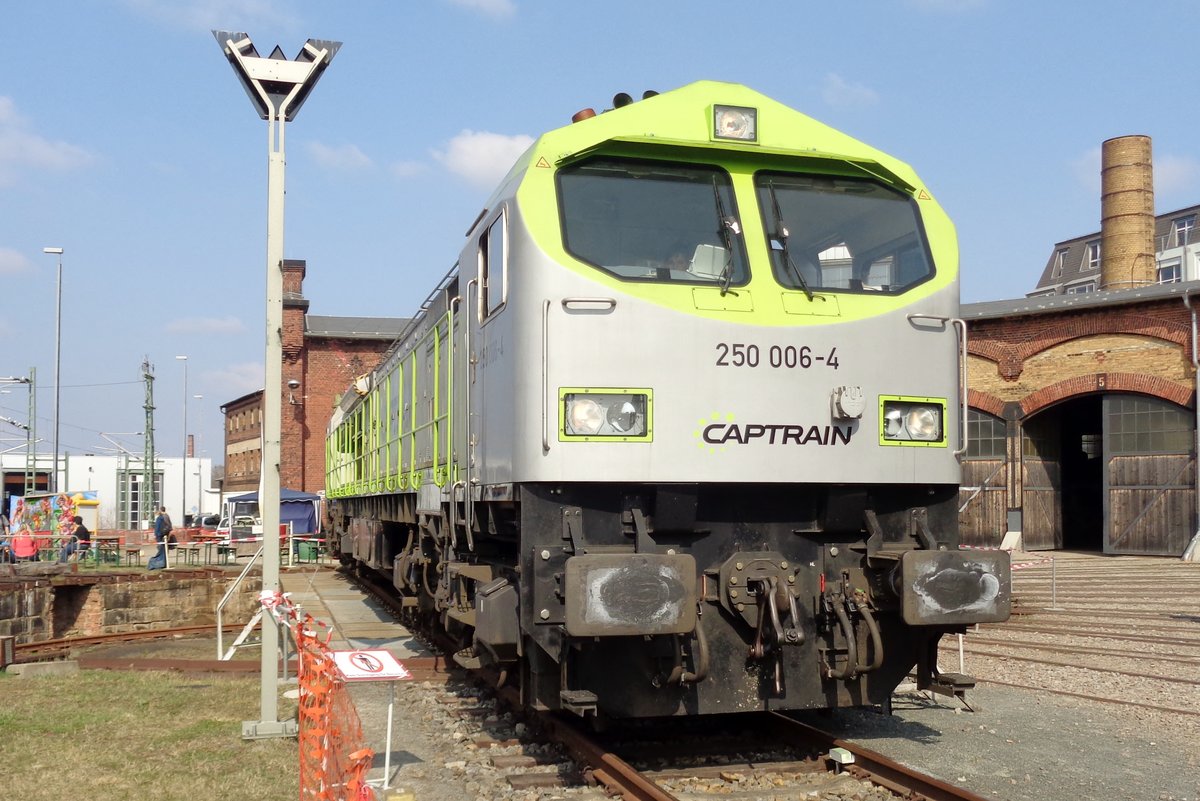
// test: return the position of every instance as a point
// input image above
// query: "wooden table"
(107, 547)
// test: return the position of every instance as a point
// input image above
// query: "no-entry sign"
(369, 666)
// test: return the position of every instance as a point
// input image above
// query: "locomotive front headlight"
(623, 416)
(584, 417)
(923, 423)
(619, 414)
(893, 423)
(912, 421)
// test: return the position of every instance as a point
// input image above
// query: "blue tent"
(295, 507)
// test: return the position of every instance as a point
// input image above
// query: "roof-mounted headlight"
(735, 122)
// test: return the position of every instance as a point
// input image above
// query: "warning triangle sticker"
(922, 195)
(541, 162)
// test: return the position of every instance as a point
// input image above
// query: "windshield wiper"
(781, 236)
(725, 224)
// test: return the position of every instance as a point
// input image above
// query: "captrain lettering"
(775, 434)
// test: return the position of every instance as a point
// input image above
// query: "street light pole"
(183, 467)
(277, 88)
(57, 359)
(196, 454)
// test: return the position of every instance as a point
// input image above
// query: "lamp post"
(57, 358)
(277, 88)
(183, 466)
(196, 454)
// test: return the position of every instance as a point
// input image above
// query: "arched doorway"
(1109, 472)
(1062, 468)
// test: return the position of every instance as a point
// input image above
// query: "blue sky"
(126, 139)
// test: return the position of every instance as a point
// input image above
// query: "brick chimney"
(295, 307)
(1127, 214)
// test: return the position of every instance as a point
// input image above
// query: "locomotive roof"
(683, 118)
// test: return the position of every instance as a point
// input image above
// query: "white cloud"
(482, 158)
(1087, 170)
(840, 93)
(493, 8)
(237, 379)
(407, 169)
(1175, 175)
(13, 262)
(346, 157)
(22, 150)
(219, 14)
(206, 325)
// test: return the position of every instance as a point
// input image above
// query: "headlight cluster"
(735, 122)
(623, 414)
(912, 421)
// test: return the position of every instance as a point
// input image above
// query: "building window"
(1148, 425)
(1093, 256)
(1079, 289)
(1183, 230)
(1060, 259)
(986, 436)
(1170, 274)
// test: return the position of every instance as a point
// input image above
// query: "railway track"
(745, 756)
(803, 770)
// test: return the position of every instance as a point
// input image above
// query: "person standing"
(162, 531)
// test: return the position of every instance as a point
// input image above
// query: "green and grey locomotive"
(679, 433)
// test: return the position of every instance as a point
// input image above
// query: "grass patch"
(114, 735)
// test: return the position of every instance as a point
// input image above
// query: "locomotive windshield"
(653, 221)
(846, 234)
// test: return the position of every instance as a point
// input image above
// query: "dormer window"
(1183, 229)
(1060, 259)
(1093, 256)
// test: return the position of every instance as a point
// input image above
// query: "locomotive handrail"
(469, 456)
(961, 326)
(964, 430)
(546, 370)
(604, 303)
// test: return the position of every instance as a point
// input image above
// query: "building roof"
(383, 328)
(1075, 266)
(1046, 304)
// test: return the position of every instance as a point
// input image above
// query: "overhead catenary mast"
(146, 499)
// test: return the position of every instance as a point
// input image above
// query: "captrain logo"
(721, 430)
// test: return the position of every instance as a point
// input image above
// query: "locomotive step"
(579, 701)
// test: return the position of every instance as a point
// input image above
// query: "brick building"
(1083, 418)
(1082, 421)
(321, 357)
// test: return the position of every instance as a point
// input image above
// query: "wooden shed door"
(1149, 476)
(1042, 482)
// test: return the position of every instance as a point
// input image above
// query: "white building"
(118, 480)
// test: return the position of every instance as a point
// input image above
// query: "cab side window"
(493, 269)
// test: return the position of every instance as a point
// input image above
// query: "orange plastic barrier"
(334, 759)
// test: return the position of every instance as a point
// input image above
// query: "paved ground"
(1015, 746)
(357, 620)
